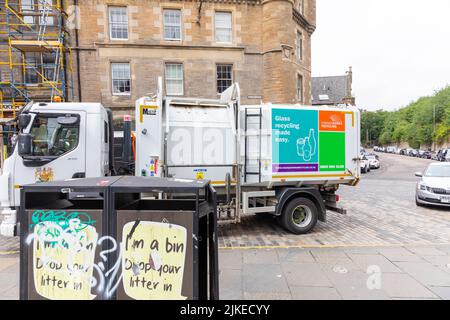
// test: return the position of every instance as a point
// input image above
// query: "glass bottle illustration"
(313, 142)
(307, 147)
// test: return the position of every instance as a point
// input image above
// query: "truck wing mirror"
(24, 142)
(419, 174)
(23, 121)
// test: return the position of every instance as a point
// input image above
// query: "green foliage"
(423, 122)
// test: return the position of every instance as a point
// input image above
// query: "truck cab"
(57, 141)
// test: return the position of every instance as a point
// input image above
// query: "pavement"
(384, 248)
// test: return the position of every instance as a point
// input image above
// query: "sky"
(399, 49)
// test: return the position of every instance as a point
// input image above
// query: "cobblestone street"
(380, 212)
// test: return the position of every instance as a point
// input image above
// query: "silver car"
(434, 187)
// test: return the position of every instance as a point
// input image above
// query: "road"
(380, 211)
(384, 248)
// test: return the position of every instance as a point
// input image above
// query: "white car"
(374, 163)
(364, 164)
(434, 187)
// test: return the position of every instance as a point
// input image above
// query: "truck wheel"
(299, 216)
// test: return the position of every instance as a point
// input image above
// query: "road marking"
(7, 253)
(327, 246)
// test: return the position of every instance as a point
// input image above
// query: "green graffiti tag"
(63, 219)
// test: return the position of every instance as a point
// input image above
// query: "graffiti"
(153, 260)
(72, 261)
(64, 247)
(63, 259)
(108, 280)
(62, 218)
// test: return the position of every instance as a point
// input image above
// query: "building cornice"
(165, 46)
(301, 21)
(251, 2)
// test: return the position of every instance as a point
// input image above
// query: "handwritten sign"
(63, 259)
(153, 260)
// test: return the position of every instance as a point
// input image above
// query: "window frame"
(112, 79)
(299, 45)
(110, 23)
(50, 19)
(231, 26)
(166, 64)
(164, 24)
(299, 89)
(37, 57)
(217, 78)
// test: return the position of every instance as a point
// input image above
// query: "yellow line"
(328, 246)
(6, 253)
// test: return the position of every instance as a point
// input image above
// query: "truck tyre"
(299, 216)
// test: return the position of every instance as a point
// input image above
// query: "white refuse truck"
(285, 160)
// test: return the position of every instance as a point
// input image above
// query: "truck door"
(58, 150)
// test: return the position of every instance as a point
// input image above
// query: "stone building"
(198, 47)
(333, 90)
(120, 47)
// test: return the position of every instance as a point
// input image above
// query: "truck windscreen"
(52, 138)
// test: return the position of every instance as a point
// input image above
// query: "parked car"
(427, 155)
(364, 164)
(391, 149)
(402, 152)
(374, 162)
(413, 153)
(447, 155)
(440, 156)
(420, 153)
(434, 187)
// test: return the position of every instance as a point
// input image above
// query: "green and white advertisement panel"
(308, 141)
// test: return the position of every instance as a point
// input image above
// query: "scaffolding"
(35, 54)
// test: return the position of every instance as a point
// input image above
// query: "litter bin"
(167, 228)
(64, 240)
(119, 238)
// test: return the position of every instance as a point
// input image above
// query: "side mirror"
(24, 142)
(23, 121)
(419, 174)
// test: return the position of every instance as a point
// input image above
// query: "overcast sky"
(399, 49)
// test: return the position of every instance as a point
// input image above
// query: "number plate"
(445, 199)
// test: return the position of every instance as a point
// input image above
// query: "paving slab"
(260, 256)
(266, 278)
(426, 273)
(364, 261)
(439, 261)
(442, 292)
(305, 274)
(267, 296)
(230, 281)
(230, 259)
(295, 255)
(426, 251)
(353, 286)
(399, 255)
(314, 293)
(7, 262)
(404, 286)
